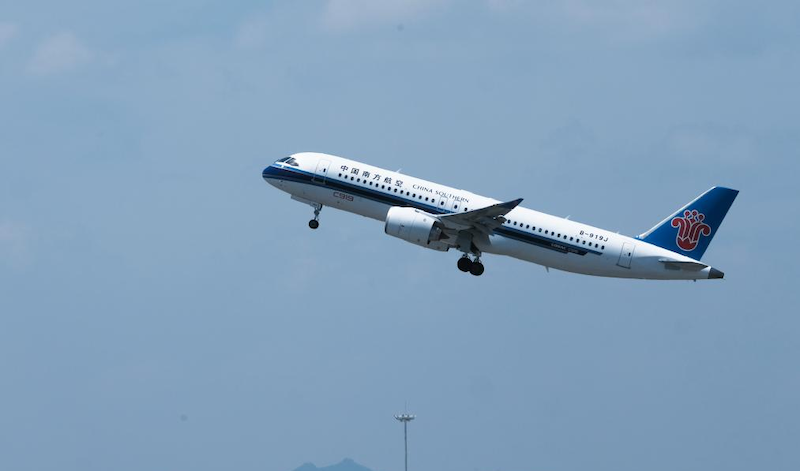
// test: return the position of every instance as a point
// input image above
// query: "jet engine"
(417, 227)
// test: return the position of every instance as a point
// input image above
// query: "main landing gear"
(475, 267)
(314, 223)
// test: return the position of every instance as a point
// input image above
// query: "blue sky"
(163, 308)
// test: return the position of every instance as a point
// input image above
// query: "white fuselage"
(528, 235)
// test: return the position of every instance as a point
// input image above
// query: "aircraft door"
(442, 203)
(322, 170)
(626, 255)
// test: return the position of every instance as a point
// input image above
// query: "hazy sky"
(162, 308)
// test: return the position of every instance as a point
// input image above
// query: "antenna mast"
(405, 418)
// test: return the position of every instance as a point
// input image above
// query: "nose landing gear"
(314, 223)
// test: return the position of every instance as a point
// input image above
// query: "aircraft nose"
(269, 174)
(272, 175)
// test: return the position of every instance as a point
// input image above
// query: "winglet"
(511, 204)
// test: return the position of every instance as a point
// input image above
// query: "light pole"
(405, 418)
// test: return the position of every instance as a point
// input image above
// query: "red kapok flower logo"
(690, 228)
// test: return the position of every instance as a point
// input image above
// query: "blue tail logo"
(690, 229)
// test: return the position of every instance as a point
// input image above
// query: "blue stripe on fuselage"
(279, 172)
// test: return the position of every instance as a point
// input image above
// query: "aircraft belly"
(589, 264)
(338, 199)
(540, 255)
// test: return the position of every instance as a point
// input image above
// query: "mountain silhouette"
(346, 465)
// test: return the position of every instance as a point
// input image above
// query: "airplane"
(439, 217)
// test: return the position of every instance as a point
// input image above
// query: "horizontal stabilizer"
(683, 265)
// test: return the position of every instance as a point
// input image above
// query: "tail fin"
(689, 231)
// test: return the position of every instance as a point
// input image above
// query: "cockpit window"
(289, 161)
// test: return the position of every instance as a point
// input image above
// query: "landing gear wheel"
(314, 223)
(464, 264)
(476, 268)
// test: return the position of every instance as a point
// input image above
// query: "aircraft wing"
(484, 220)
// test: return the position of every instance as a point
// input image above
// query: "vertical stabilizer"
(690, 229)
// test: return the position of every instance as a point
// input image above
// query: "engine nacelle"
(417, 227)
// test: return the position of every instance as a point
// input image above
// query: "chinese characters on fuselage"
(378, 178)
